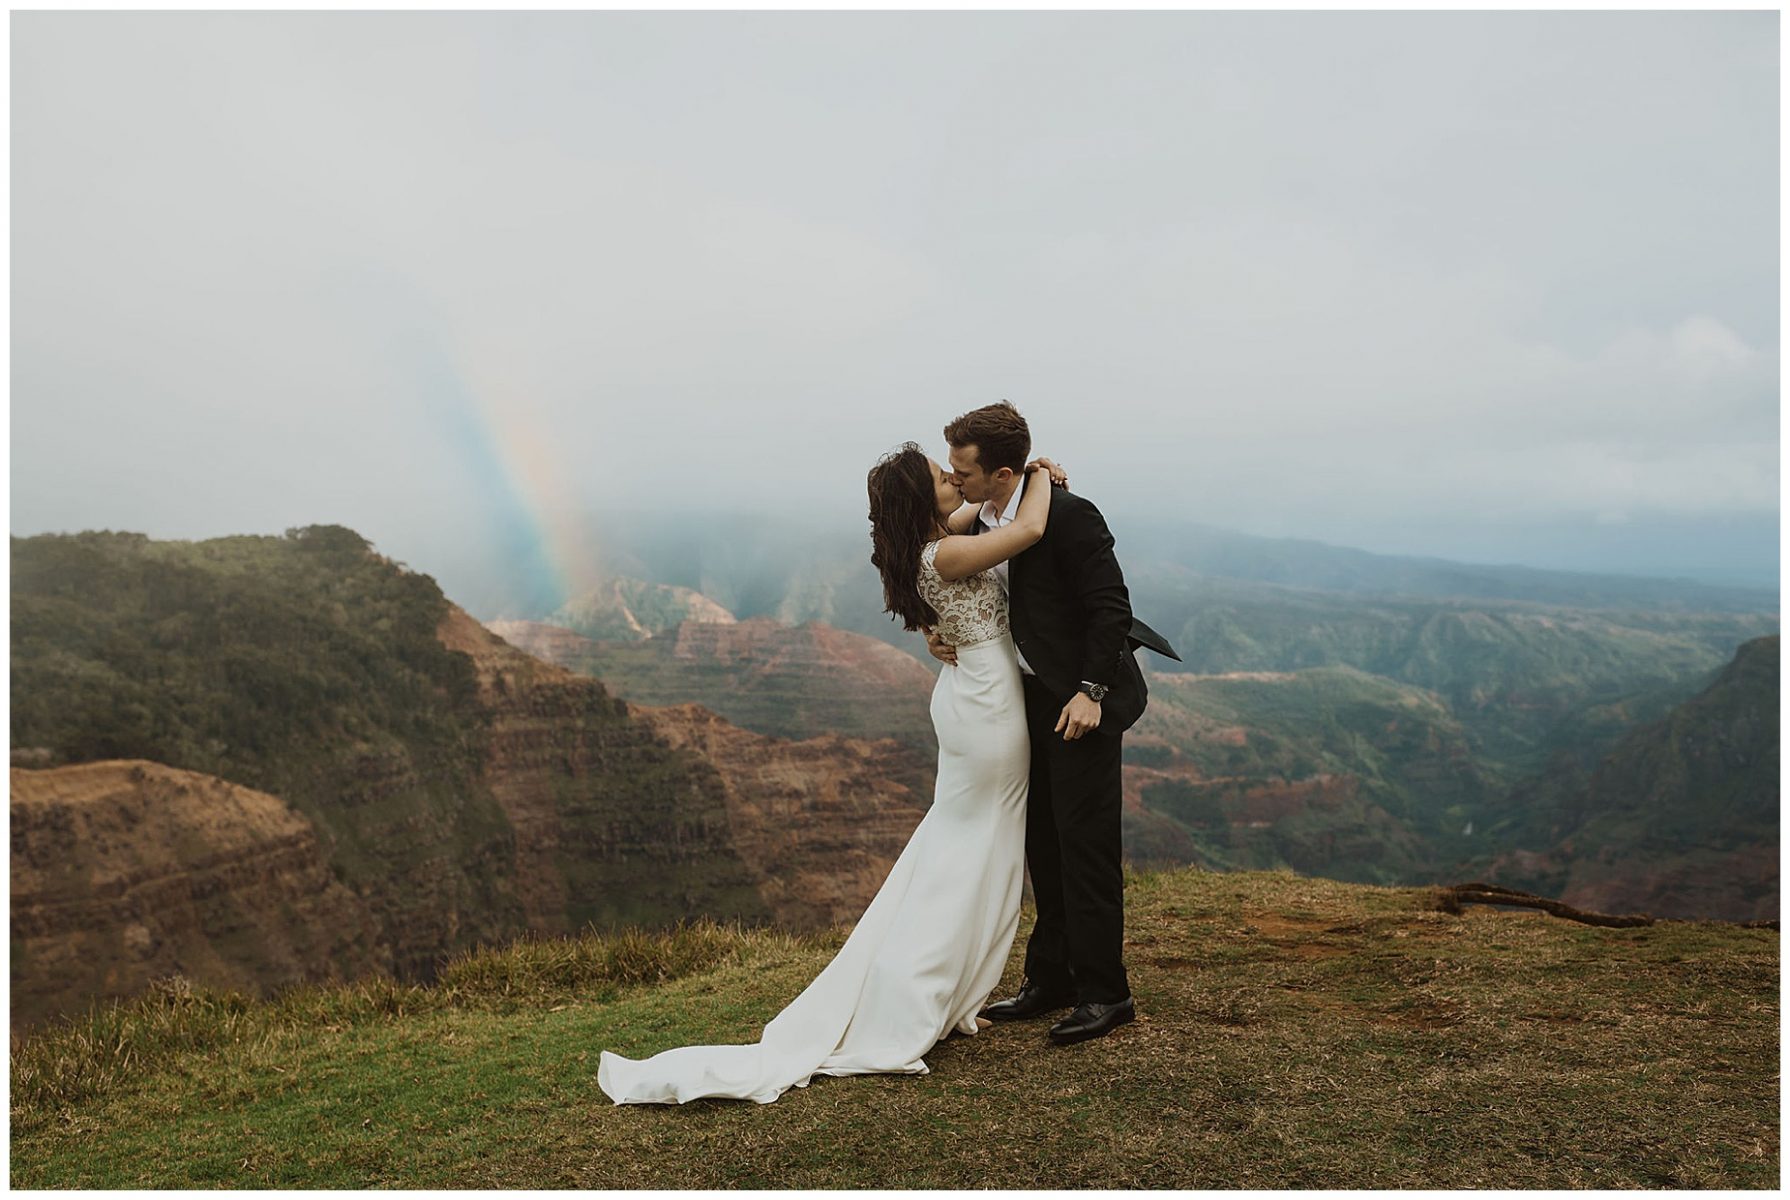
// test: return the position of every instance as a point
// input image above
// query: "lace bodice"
(972, 609)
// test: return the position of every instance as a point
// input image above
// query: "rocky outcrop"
(126, 870)
(771, 678)
(645, 813)
(628, 609)
(819, 821)
(612, 823)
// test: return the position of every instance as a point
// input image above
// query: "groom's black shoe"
(1091, 1020)
(1033, 1000)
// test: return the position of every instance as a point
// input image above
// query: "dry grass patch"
(1292, 1033)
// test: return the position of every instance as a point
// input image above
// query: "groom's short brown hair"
(998, 433)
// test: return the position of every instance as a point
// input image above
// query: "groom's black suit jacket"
(1071, 613)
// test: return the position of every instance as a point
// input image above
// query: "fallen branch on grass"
(1453, 897)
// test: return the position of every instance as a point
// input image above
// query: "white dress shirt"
(994, 518)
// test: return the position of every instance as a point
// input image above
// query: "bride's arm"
(1057, 475)
(964, 519)
(962, 555)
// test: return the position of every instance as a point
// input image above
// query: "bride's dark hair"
(903, 515)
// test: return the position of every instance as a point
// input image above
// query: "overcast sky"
(1499, 287)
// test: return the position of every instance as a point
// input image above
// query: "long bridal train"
(931, 946)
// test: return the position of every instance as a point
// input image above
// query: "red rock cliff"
(126, 870)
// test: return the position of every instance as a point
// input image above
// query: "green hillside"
(306, 666)
(1293, 1033)
(1705, 773)
(1511, 672)
(1693, 793)
(309, 666)
(236, 656)
(1235, 752)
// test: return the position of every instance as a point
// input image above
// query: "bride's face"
(944, 485)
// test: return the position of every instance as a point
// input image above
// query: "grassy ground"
(1293, 1033)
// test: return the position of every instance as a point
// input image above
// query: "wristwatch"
(1093, 691)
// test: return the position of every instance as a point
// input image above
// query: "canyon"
(497, 794)
(260, 761)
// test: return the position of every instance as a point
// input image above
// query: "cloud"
(1269, 268)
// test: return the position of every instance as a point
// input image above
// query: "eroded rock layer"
(126, 870)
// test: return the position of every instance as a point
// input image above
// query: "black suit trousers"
(1073, 848)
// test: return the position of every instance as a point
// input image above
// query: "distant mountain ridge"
(808, 568)
(1304, 562)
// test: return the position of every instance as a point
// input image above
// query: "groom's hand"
(1078, 716)
(942, 650)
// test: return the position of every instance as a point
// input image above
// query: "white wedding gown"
(930, 948)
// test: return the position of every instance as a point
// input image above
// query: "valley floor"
(1293, 1033)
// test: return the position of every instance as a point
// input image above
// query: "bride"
(930, 948)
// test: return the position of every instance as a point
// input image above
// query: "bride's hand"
(1057, 475)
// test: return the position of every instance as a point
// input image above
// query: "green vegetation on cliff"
(1704, 773)
(306, 666)
(1293, 1033)
(1328, 770)
(1510, 671)
(244, 657)
(312, 668)
(303, 665)
(1680, 816)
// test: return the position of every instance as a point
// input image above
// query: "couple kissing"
(1013, 580)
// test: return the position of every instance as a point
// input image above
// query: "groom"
(1072, 625)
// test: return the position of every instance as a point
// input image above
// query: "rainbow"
(519, 475)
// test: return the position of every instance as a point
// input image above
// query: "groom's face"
(977, 485)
